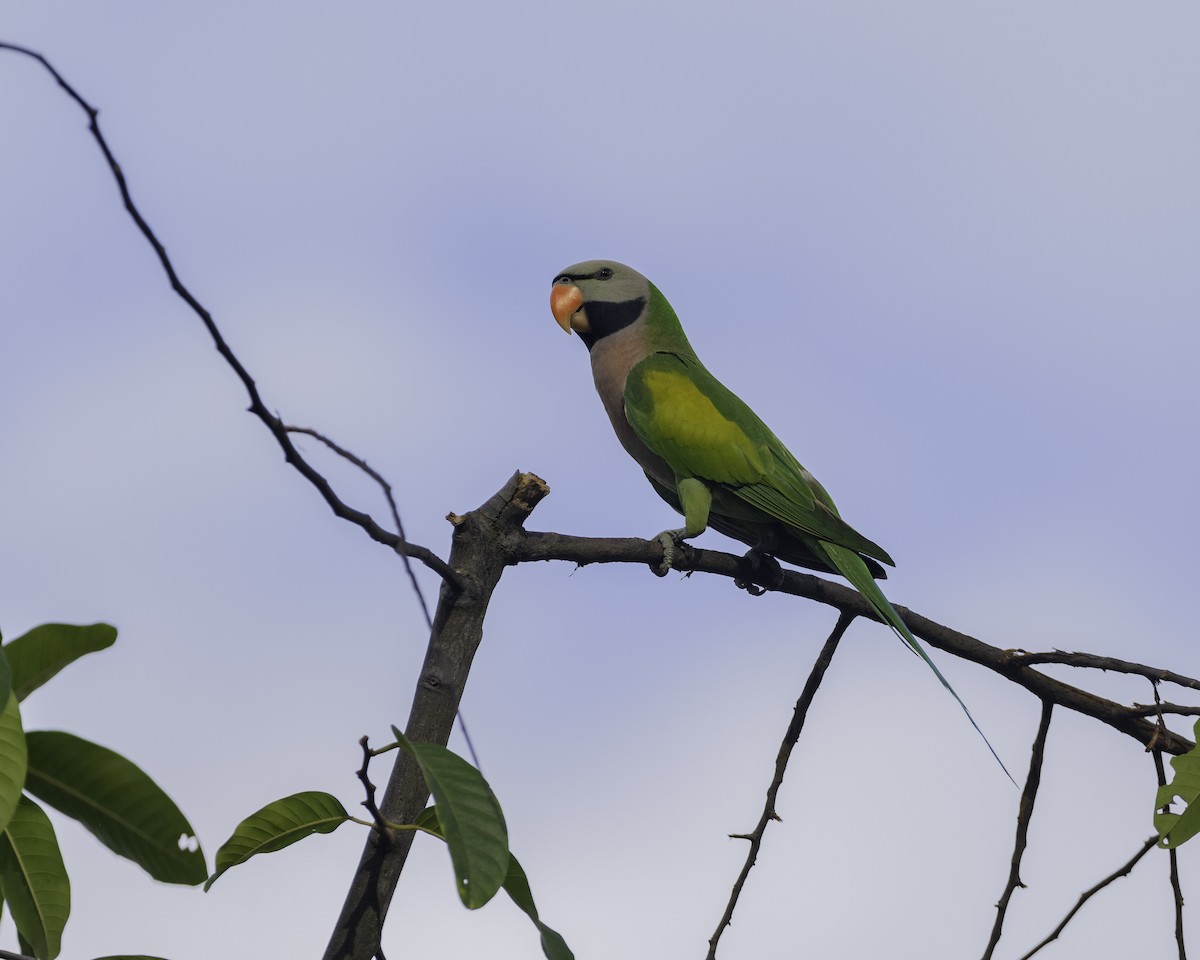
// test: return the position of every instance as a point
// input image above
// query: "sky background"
(948, 251)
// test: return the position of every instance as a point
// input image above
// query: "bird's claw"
(762, 566)
(667, 539)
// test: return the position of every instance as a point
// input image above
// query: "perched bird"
(704, 450)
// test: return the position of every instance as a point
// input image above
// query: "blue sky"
(948, 253)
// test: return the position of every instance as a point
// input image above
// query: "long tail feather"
(851, 566)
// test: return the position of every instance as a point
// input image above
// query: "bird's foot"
(761, 566)
(671, 541)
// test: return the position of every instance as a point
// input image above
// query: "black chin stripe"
(605, 318)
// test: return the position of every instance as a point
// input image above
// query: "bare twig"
(391, 501)
(1092, 891)
(5, 954)
(412, 576)
(257, 406)
(368, 786)
(1158, 709)
(1105, 663)
(1025, 814)
(781, 761)
(1176, 890)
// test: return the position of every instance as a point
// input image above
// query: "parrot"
(704, 451)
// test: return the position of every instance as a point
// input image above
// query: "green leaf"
(35, 879)
(13, 759)
(1175, 829)
(471, 818)
(516, 885)
(111, 796)
(38, 655)
(6, 684)
(278, 825)
(428, 820)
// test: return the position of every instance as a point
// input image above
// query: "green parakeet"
(704, 450)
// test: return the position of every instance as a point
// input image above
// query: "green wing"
(702, 430)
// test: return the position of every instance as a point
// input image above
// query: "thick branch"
(1009, 664)
(479, 553)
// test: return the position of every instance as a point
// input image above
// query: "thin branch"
(391, 501)
(412, 576)
(1157, 709)
(1176, 890)
(4, 954)
(257, 406)
(1105, 663)
(368, 786)
(781, 761)
(1092, 891)
(531, 545)
(1028, 796)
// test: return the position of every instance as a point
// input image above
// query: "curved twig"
(1156, 709)
(781, 761)
(1176, 890)
(257, 406)
(1105, 663)
(1092, 891)
(1028, 796)
(387, 494)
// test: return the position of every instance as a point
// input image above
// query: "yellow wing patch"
(683, 426)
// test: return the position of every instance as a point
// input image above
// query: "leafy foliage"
(39, 654)
(5, 680)
(1175, 829)
(467, 817)
(13, 758)
(134, 818)
(516, 885)
(471, 818)
(278, 825)
(111, 796)
(34, 879)
(105, 792)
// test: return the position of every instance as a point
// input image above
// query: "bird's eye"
(604, 273)
(562, 279)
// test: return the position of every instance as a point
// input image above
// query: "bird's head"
(597, 298)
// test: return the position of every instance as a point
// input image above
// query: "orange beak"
(565, 303)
